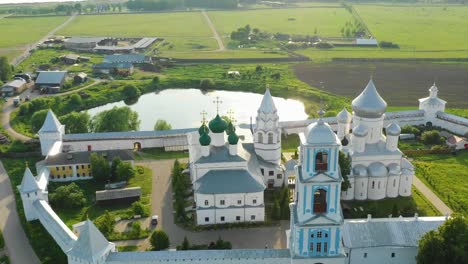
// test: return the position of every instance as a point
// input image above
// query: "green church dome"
(203, 129)
(218, 125)
(233, 138)
(205, 139)
(230, 128)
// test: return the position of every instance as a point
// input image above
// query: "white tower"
(51, 131)
(267, 133)
(91, 247)
(316, 217)
(30, 191)
(393, 133)
(431, 105)
(344, 120)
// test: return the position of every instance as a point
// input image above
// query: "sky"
(33, 1)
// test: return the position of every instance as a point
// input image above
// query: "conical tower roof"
(90, 244)
(267, 106)
(28, 183)
(51, 123)
(369, 104)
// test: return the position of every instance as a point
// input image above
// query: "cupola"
(218, 125)
(369, 104)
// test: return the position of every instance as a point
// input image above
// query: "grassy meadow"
(22, 31)
(327, 21)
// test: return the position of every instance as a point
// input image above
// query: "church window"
(325, 247)
(262, 171)
(222, 218)
(28, 195)
(311, 247)
(222, 202)
(254, 201)
(312, 235)
(319, 234)
(326, 234)
(270, 138)
(320, 201)
(260, 137)
(237, 218)
(271, 173)
(321, 161)
(393, 254)
(319, 247)
(365, 255)
(252, 217)
(373, 184)
(279, 176)
(239, 201)
(206, 202)
(378, 185)
(394, 182)
(207, 219)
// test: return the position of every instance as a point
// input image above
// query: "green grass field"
(327, 21)
(418, 27)
(226, 54)
(22, 31)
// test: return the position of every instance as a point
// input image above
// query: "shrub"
(105, 223)
(159, 240)
(388, 45)
(410, 130)
(324, 45)
(131, 91)
(207, 84)
(138, 208)
(68, 196)
(432, 137)
(37, 120)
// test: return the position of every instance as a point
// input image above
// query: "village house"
(14, 87)
(70, 58)
(52, 81)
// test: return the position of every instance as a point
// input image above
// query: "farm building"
(80, 77)
(119, 195)
(50, 79)
(128, 58)
(13, 87)
(70, 58)
(85, 44)
(77, 165)
(109, 68)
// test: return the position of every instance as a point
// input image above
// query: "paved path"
(161, 203)
(8, 107)
(431, 196)
(215, 33)
(95, 82)
(17, 244)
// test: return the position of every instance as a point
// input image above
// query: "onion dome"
(394, 169)
(233, 138)
(369, 104)
(377, 169)
(230, 128)
(205, 139)
(360, 170)
(393, 130)
(344, 116)
(203, 129)
(321, 133)
(218, 125)
(360, 131)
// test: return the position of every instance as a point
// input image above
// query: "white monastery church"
(230, 167)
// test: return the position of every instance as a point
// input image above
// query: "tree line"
(159, 5)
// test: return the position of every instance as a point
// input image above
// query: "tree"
(115, 162)
(258, 69)
(77, 7)
(5, 69)
(68, 196)
(105, 223)
(115, 120)
(100, 168)
(207, 84)
(284, 203)
(410, 130)
(162, 124)
(395, 210)
(131, 91)
(447, 244)
(276, 211)
(432, 137)
(37, 120)
(76, 122)
(138, 208)
(159, 240)
(185, 244)
(345, 166)
(135, 229)
(124, 171)
(74, 103)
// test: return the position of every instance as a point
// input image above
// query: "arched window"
(320, 201)
(373, 184)
(260, 137)
(379, 184)
(270, 138)
(321, 161)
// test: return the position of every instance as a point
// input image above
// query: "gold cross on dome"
(231, 115)
(203, 114)
(217, 102)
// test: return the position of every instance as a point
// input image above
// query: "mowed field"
(418, 27)
(327, 21)
(399, 84)
(18, 32)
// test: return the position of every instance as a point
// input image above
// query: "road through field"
(17, 245)
(431, 196)
(215, 33)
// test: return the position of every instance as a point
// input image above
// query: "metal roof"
(389, 232)
(118, 193)
(369, 103)
(85, 39)
(127, 134)
(51, 77)
(321, 133)
(17, 83)
(84, 157)
(51, 123)
(267, 106)
(28, 183)
(130, 58)
(91, 244)
(228, 181)
(221, 154)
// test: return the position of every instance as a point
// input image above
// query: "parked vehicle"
(16, 100)
(154, 220)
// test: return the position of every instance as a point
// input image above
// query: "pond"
(182, 108)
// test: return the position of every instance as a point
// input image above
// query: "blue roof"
(228, 181)
(206, 255)
(51, 77)
(130, 58)
(220, 154)
(109, 65)
(127, 134)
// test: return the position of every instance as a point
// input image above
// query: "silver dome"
(393, 130)
(377, 169)
(344, 116)
(394, 169)
(369, 104)
(360, 170)
(360, 131)
(321, 133)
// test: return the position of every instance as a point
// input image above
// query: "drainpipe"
(244, 206)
